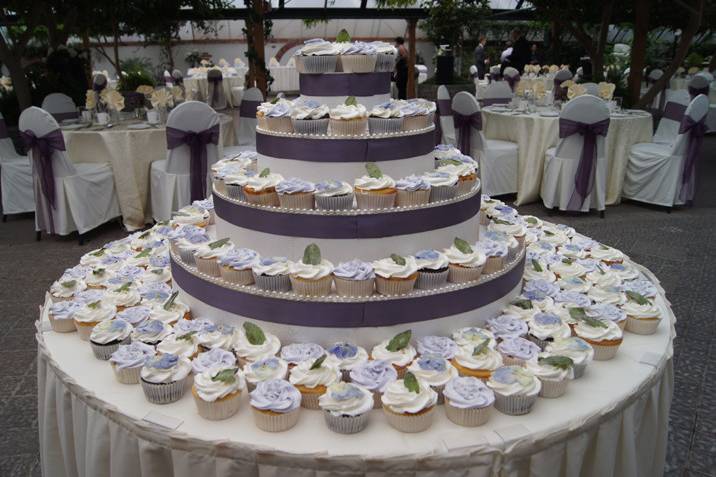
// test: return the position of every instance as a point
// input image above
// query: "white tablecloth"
(534, 134)
(200, 84)
(611, 422)
(285, 78)
(130, 152)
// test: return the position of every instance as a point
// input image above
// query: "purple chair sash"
(248, 108)
(494, 77)
(512, 81)
(559, 93)
(674, 111)
(693, 91)
(99, 83)
(3, 129)
(215, 78)
(42, 150)
(444, 108)
(584, 178)
(197, 142)
(696, 130)
(464, 124)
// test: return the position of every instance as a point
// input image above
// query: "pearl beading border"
(412, 132)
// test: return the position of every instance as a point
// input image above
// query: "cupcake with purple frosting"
(437, 346)
(164, 378)
(507, 326)
(433, 269)
(412, 190)
(235, 266)
(127, 361)
(334, 195)
(107, 336)
(468, 401)
(297, 353)
(516, 351)
(346, 356)
(374, 375)
(295, 193)
(354, 279)
(276, 405)
(309, 117)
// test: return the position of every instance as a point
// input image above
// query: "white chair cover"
(654, 171)
(247, 126)
(60, 106)
(560, 77)
(674, 109)
(216, 96)
(497, 92)
(511, 75)
(84, 193)
(237, 93)
(591, 88)
(171, 178)
(561, 162)
(654, 76)
(15, 176)
(446, 121)
(498, 159)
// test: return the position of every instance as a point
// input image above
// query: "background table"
(201, 84)
(534, 134)
(130, 152)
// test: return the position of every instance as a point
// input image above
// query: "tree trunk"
(11, 59)
(115, 48)
(598, 59)
(411, 93)
(712, 63)
(638, 50)
(88, 65)
(170, 54)
(258, 44)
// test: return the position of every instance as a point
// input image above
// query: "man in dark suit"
(480, 57)
(520, 51)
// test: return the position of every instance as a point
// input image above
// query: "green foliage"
(449, 21)
(411, 382)
(399, 341)
(694, 59)
(312, 255)
(138, 64)
(130, 81)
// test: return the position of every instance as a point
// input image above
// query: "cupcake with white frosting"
(468, 401)
(317, 56)
(575, 284)
(544, 328)
(183, 345)
(265, 369)
(395, 275)
(553, 371)
(311, 378)
(235, 266)
(309, 116)
(235, 183)
(208, 255)
(516, 389)
(472, 336)
(277, 117)
(466, 263)
(507, 326)
(385, 118)
(66, 287)
(397, 351)
(297, 353)
(312, 275)
(276, 405)
(412, 190)
(568, 267)
(123, 296)
(261, 188)
(387, 54)
(127, 361)
(443, 184)
(97, 277)
(354, 278)
(435, 371)
(357, 57)
(536, 269)
(375, 190)
(516, 351)
(611, 294)
(409, 404)
(607, 254)
(61, 315)
(295, 193)
(346, 356)
(604, 336)
(579, 351)
(374, 375)
(334, 195)
(217, 392)
(91, 314)
(643, 316)
(417, 113)
(465, 168)
(163, 378)
(478, 360)
(271, 274)
(433, 269)
(221, 335)
(437, 346)
(495, 255)
(151, 332)
(255, 343)
(107, 336)
(346, 407)
(348, 119)
(510, 226)
(170, 311)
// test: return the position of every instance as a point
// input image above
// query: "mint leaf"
(501, 222)
(399, 341)
(448, 162)
(411, 382)
(637, 298)
(144, 235)
(187, 336)
(144, 253)
(124, 288)
(481, 348)
(462, 246)
(577, 313)
(351, 101)
(265, 172)
(219, 243)
(531, 220)
(254, 334)
(343, 36)
(523, 303)
(94, 305)
(560, 362)
(170, 301)
(536, 266)
(548, 233)
(227, 376)
(98, 253)
(373, 170)
(594, 323)
(312, 255)
(567, 261)
(397, 259)
(318, 362)
(69, 283)
(98, 272)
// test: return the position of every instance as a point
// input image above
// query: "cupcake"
(214, 358)
(186, 243)
(191, 215)
(544, 328)
(386, 57)
(265, 368)
(345, 357)
(90, 314)
(276, 405)
(255, 343)
(511, 227)
(106, 337)
(235, 184)
(604, 336)
(164, 377)
(465, 263)
(156, 275)
(516, 351)
(271, 274)
(235, 266)
(183, 345)
(345, 407)
(576, 284)
(309, 117)
(411, 191)
(536, 269)
(416, 115)
(296, 353)
(468, 401)
(151, 332)
(606, 254)
(608, 312)
(127, 361)
(171, 311)
(208, 206)
(385, 118)
(221, 335)
(642, 315)
(395, 275)
(357, 57)
(294, 193)
(516, 390)
(311, 378)
(397, 351)
(317, 56)
(437, 346)
(409, 404)
(334, 195)
(465, 168)
(507, 326)
(261, 189)
(348, 119)
(432, 269)
(568, 267)
(61, 316)
(123, 296)
(217, 392)
(472, 336)
(624, 270)
(375, 190)
(207, 256)
(277, 117)
(354, 278)
(65, 288)
(433, 370)
(312, 275)
(495, 255)
(374, 375)
(478, 361)
(553, 371)
(97, 277)
(443, 185)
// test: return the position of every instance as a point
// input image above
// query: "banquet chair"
(444, 116)
(246, 136)
(495, 73)
(498, 159)
(497, 92)
(664, 174)
(68, 197)
(591, 88)
(655, 75)
(99, 82)
(237, 93)
(581, 119)
(698, 85)
(511, 76)
(559, 93)
(674, 109)
(60, 106)
(216, 96)
(15, 177)
(193, 136)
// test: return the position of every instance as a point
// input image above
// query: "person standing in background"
(535, 56)
(401, 68)
(521, 54)
(480, 58)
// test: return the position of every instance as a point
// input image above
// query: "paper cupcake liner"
(443, 193)
(220, 186)
(127, 375)
(460, 274)
(310, 400)
(377, 400)
(316, 64)
(385, 62)
(357, 63)
(340, 202)
(385, 125)
(212, 216)
(578, 369)
(470, 417)
(641, 327)
(84, 330)
(240, 277)
(405, 198)
(390, 286)
(431, 280)
(261, 122)
(493, 265)
(300, 200)
(410, 423)
(366, 200)
(104, 351)
(62, 326)
(263, 198)
(354, 287)
(604, 352)
(484, 219)
(345, 424)
(187, 256)
(622, 324)
(235, 191)
(282, 124)
(163, 393)
(349, 127)
(515, 405)
(465, 186)
(320, 287)
(209, 266)
(512, 361)
(274, 421)
(310, 126)
(553, 389)
(220, 409)
(420, 121)
(279, 283)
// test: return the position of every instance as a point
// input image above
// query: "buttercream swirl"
(401, 357)
(296, 353)
(473, 259)
(468, 393)
(514, 381)
(346, 355)
(213, 358)
(346, 399)
(387, 267)
(433, 370)
(210, 389)
(399, 399)
(265, 369)
(304, 374)
(374, 183)
(165, 368)
(354, 270)
(374, 375)
(431, 260)
(275, 395)
(133, 355)
(309, 271)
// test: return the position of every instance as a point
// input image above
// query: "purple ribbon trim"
(344, 84)
(559, 93)
(491, 101)
(674, 111)
(693, 92)
(444, 108)
(512, 81)
(247, 108)
(464, 124)
(347, 315)
(345, 150)
(215, 78)
(584, 177)
(197, 142)
(696, 130)
(3, 129)
(347, 227)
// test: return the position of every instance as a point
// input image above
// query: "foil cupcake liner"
(641, 327)
(467, 417)
(368, 200)
(235, 191)
(443, 193)
(385, 125)
(104, 351)
(209, 266)
(127, 375)
(263, 198)
(62, 326)
(460, 274)
(357, 63)
(282, 124)
(411, 123)
(300, 200)
(274, 421)
(431, 280)
(187, 256)
(310, 126)
(320, 287)
(405, 198)
(220, 409)
(493, 265)
(240, 277)
(316, 64)
(163, 393)
(515, 405)
(355, 288)
(385, 62)
(279, 283)
(339, 202)
(410, 423)
(349, 127)
(345, 424)
(553, 389)
(393, 286)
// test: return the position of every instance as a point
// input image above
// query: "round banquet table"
(130, 152)
(201, 84)
(534, 134)
(611, 422)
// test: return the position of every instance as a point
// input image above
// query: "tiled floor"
(679, 248)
